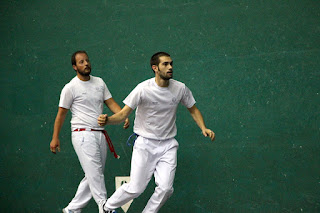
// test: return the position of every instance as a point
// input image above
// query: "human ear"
(155, 68)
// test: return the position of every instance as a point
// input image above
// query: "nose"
(86, 63)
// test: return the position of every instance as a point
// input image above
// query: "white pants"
(149, 157)
(91, 149)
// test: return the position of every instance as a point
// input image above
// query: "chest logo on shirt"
(99, 89)
(174, 101)
(155, 103)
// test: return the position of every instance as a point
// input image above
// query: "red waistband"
(105, 133)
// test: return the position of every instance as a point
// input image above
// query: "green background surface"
(253, 67)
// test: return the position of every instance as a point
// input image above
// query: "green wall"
(253, 67)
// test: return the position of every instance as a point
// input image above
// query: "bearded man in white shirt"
(85, 96)
(155, 149)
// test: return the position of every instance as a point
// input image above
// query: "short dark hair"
(73, 57)
(155, 58)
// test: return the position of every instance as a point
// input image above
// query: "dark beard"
(164, 77)
(82, 73)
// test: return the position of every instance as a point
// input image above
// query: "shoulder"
(71, 83)
(97, 81)
(96, 78)
(144, 84)
(175, 83)
(70, 87)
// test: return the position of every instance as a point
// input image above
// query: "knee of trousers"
(166, 191)
(135, 190)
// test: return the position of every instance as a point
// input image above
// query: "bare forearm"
(57, 127)
(112, 105)
(58, 123)
(115, 108)
(55, 142)
(118, 117)
(197, 117)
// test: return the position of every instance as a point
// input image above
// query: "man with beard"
(85, 96)
(155, 149)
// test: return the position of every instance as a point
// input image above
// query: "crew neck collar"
(161, 88)
(84, 81)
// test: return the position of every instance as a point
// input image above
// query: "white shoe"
(66, 210)
(102, 209)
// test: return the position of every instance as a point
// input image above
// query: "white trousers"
(91, 149)
(149, 157)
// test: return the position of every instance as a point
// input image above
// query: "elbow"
(120, 116)
(122, 119)
(116, 118)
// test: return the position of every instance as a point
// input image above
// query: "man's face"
(164, 69)
(83, 66)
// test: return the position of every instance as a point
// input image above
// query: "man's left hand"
(210, 133)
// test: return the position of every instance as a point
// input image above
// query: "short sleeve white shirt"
(85, 99)
(156, 107)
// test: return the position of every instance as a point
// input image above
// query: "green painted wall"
(253, 67)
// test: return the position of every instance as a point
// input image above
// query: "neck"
(83, 78)
(161, 82)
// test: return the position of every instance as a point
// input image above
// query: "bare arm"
(197, 117)
(55, 142)
(114, 107)
(116, 118)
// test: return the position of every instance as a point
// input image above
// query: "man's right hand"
(55, 146)
(102, 119)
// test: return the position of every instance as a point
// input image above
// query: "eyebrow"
(82, 60)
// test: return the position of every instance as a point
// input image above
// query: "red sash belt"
(107, 139)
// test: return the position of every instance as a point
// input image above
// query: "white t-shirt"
(85, 99)
(156, 107)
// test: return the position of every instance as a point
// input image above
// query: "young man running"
(155, 150)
